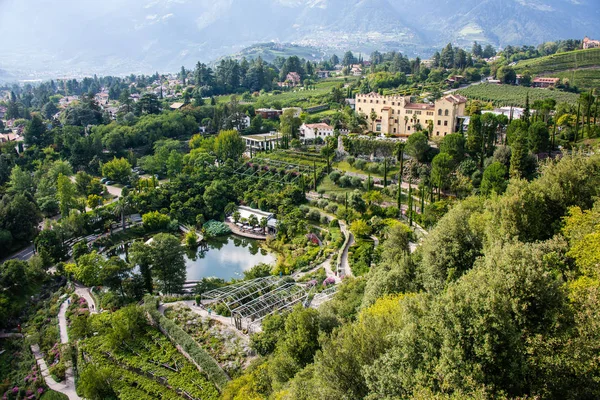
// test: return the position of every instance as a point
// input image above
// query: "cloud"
(151, 17)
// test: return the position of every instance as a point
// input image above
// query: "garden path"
(328, 271)
(84, 292)
(67, 388)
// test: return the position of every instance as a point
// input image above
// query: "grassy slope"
(561, 62)
(581, 67)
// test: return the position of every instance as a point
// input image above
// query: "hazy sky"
(148, 35)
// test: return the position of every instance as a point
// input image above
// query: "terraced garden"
(561, 62)
(507, 95)
(149, 367)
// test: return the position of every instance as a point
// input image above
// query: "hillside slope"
(581, 67)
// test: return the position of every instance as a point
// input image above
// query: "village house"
(397, 115)
(356, 70)
(545, 82)
(293, 78)
(323, 74)
(65, 101)
(312, 131)
(102, 97)
(268, 113)
(590, 44)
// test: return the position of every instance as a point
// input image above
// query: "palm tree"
(236, 216)
(122, 207)
(230, 208)
(405, 122)
(263, 224)
(252, 220)
(373, 118)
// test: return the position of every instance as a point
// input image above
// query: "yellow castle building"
(396, 115)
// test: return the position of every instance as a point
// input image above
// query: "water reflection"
(225, 257)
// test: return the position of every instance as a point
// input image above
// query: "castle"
(396, 115)
(590, 44)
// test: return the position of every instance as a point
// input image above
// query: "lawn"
(345, 166)
(296, 96)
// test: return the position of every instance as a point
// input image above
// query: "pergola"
(250, 301)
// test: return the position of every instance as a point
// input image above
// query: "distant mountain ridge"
(142, 36)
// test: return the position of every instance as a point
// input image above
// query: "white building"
(313, 131)
(247, 212)
(262, 142)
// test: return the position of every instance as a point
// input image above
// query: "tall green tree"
(229, 145)
(168, 264)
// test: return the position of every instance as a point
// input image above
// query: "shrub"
(344, 181)
(360, 164)
(356, 181)
(155, 221)
(324, 219)
(350, 160)
(332, 208)
(314, 215)
(335, 176)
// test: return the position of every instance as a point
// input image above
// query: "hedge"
(180, 338)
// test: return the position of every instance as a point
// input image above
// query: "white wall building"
(313, 131)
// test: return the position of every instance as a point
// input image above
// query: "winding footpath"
(68, 386)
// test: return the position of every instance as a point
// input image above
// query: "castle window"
(446, 113)
(445, 123)
(440, 111)
(439, 122)
(418, 112)
(409, 111)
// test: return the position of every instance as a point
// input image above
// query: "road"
(22, 255)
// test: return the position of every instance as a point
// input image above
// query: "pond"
(226, 257)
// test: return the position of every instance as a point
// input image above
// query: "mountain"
(74, 37)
